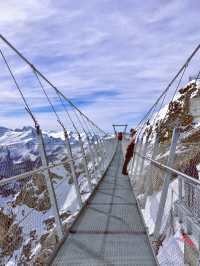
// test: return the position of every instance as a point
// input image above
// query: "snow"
(22, 146)
(31, 219)
(172, 251)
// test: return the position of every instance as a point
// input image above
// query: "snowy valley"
(27, 223)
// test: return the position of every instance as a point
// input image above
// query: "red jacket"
(130, 148)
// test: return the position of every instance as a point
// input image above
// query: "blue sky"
(112, 58)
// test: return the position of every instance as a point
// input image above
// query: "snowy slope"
(171, 251)
(25, 202)
(25, 138)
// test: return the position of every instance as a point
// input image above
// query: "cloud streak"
(112, 58)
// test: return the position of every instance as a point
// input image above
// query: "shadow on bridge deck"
(110, 231)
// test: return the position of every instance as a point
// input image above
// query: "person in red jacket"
(129, 152)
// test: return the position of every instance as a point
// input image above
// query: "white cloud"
(128, 48)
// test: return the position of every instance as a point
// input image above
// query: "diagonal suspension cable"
(80, 122)
(169, 85)
(48, 99)
(46, 79)
(183, 73)
(27, 108)
(68, 115)
(161, 105)
(175, 91)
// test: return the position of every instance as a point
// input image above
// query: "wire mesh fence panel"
(190, 193)
(111, 144)
(27, 231)
(187, 153)
(28, 226)
(191, 198)
(65, 194)
(18, 158)
(163, 152)
(149, 196)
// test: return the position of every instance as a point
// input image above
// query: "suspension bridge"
(107, 224)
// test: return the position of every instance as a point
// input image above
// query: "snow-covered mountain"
(19, 149)
(184, 110)
(26, 217)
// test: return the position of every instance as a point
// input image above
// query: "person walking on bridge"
(129, 151)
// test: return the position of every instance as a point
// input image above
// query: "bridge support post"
(148, 181)
(137, 159)
(103, 153)
(166, 183)
(69, 152)
(91, 154)
(100, 152)
(180, 189)
(85, 164)
(143, 153)
(49, 184)
(96, 148)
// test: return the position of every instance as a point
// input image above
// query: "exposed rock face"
(185, 154)
(50, 222)
(178, 110)
(39, 182)
(48, 242)
(193, 137)
(10, 234)
(33, 199)
(26, 255)
(34, 193)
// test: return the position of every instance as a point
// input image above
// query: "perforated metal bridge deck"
(110, 231)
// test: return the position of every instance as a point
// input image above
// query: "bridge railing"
(189, 195)
(37, 207)
(166, 183)
(64, 168)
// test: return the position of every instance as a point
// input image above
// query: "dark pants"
(126, 162)
(129, 155)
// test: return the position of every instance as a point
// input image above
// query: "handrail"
(41, 169)
(35, 69)
(170, 169)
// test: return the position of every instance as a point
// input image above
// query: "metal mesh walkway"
(110, 230)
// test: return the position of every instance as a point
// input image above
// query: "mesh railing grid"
(148, 179)
(28, 230)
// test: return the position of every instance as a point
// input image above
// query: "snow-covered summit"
(18, 146)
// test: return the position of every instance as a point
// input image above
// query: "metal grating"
(110, 231)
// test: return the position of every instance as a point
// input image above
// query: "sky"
(110, 57)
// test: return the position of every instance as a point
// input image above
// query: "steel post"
(91, 153)
(138, 159)
(167, 178)
(149, 176)
(143, 153)
(85, 164)
(135, 157)
(49, 184)
(72, 167)
(180, 188)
